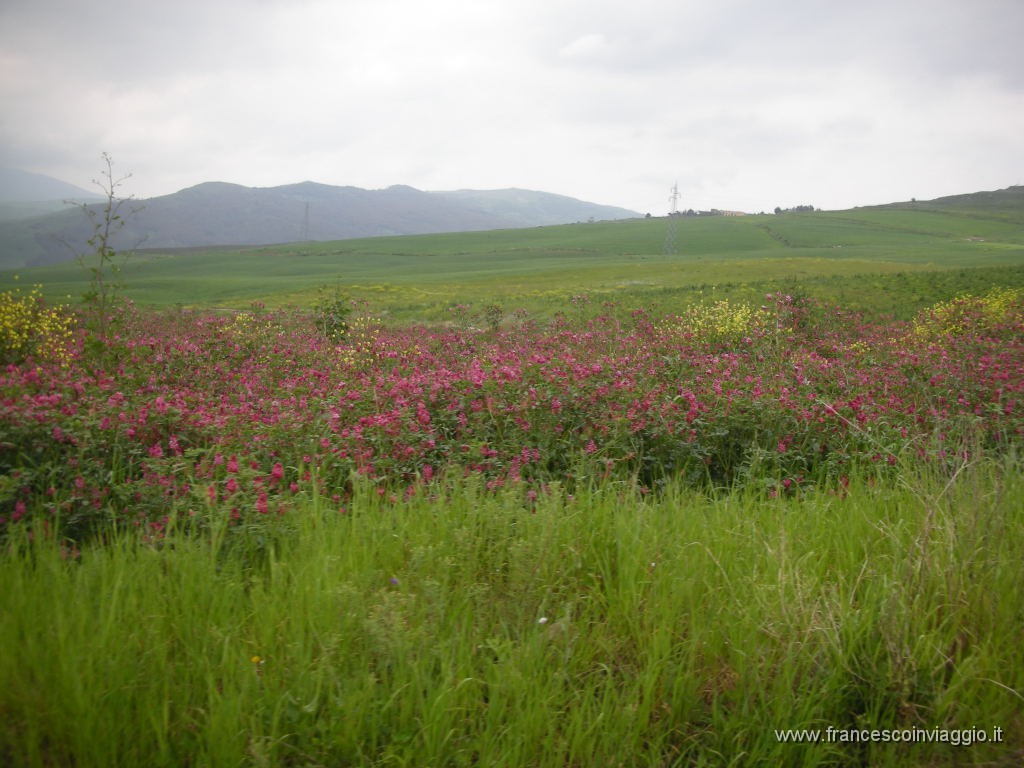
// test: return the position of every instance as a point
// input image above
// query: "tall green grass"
(464, 627)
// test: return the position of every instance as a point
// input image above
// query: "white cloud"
(748, 105)
(589, 46)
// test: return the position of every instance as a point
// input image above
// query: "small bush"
(28, 328)
(332, 311)
(719, 322)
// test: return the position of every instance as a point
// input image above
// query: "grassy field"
(883, 260)
(458, 628)
(725, 529)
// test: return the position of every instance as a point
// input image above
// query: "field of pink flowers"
(181, 416)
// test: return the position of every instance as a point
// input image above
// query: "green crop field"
(890, 259)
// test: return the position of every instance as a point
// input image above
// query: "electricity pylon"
(673, 221)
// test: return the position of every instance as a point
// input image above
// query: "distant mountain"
(524, 208)
(217, 213)
(24, 195)
(23, 187)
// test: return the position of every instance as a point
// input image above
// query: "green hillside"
(1002, 203)
(888, 258)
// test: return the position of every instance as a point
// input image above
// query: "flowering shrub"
(720, 322)
(29, 328)
(200, 419)
(998, 310)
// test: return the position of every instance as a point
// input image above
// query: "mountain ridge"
(216, 213)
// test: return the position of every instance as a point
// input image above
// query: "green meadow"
(888, 259)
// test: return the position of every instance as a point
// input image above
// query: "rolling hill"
(1000, 203)
(895, 258)
(217, 213)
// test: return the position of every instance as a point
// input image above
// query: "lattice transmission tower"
(673, 221)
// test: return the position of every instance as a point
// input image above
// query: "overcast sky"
(746, 104)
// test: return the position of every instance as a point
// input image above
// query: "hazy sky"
(747, 104)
